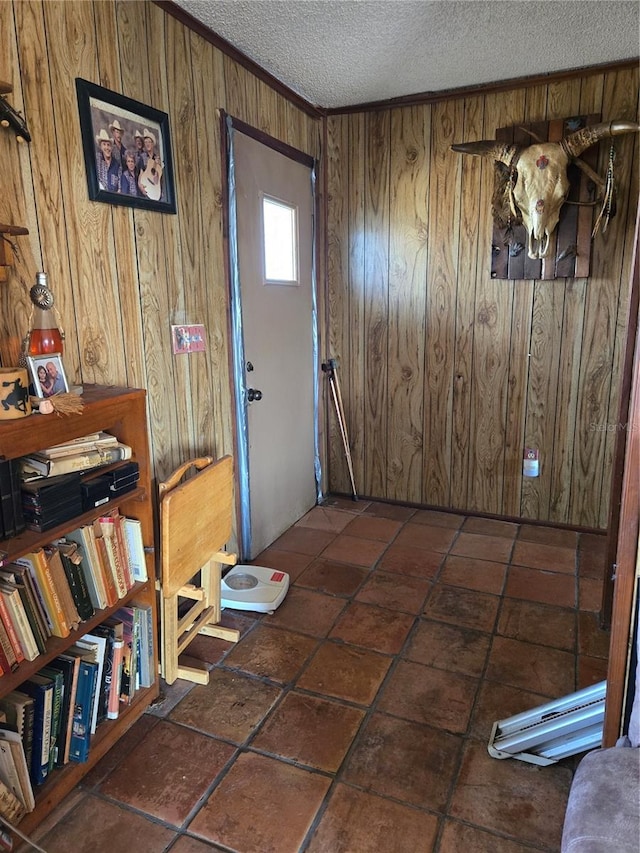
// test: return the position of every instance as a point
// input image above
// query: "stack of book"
(51, 590)
(82, 454)
(50, 719)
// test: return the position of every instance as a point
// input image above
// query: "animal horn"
(501, 152)
(582, 139)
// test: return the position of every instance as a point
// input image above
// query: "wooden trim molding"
(242, 59)
(626, 558)
(485, 88)
(621, 445)
(270, 141)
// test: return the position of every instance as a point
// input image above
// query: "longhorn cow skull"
(539, 184)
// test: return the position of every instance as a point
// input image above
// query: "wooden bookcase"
(120, 411)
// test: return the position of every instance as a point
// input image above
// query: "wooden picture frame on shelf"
(127, 150)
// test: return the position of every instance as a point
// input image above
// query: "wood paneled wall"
(122, 277)
(447, 375)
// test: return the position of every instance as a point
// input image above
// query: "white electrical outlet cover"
(254, 588)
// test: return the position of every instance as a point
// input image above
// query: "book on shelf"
(57, 678)
(130, 653)
(13, 767)
(16, 491)
(94, 441)
(7, 527)
(8, 657)
(72, 564)
(107, 542)
(11, 516)
(113, 704)
(31, 612)
(126, 615)
(38, 564)
(12, 739)
(115, 521)
(95, 646)
(105, 565)
(23, 577)
(19, 711)
(7, 520)
(62, 586)
(146, 644)
(20, 577)
(82, 710)
(114, 628)
(84, 538)
(69, 666)
(8, 769)
(41, 688)
(10, 594)
(135, 548)
(110, 632)
(5, 665)
(10, 628)
(11, 809)
(38, 465)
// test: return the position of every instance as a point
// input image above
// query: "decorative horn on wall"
(532, 183)
(11, 118)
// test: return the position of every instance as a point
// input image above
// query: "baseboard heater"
(551, 732)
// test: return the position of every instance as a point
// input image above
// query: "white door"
(276, 366)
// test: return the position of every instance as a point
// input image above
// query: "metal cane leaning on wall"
(330, 369)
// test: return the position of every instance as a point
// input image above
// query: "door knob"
(253, 394)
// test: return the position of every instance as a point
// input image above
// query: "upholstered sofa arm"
(603, 811)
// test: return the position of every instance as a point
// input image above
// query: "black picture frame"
(102, 113)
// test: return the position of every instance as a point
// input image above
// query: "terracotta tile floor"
(355, 719)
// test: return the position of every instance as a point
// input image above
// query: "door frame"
(228, 124)
(620, 680)
(620, 450)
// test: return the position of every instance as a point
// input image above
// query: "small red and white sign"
(188, 339)
(277, 577)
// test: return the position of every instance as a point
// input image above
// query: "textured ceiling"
(337, 53)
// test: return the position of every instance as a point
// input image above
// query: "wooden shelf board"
(29, 540)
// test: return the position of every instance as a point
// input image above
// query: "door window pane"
(280, 238)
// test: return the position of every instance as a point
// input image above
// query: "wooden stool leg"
(211, 578)
(169, 630)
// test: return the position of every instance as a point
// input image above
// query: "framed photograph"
(127, 150)
(47, 374)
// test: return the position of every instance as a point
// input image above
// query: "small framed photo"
(127, 150)
(47, 374)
